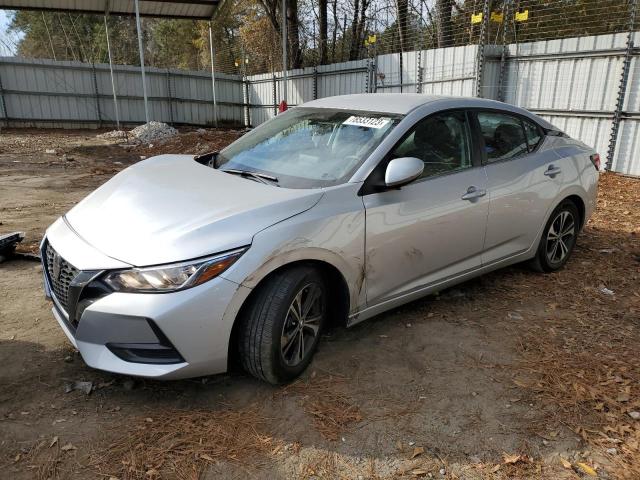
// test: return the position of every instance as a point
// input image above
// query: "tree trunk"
(293, 34)
(353, 47)
(443, 19)
(360, 31)
(402, 8)
(335, 30)
(322, 18)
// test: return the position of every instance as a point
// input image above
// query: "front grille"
(59, 276)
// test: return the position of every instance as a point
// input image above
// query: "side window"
(441, 141)
(533, 133)
(503, 136)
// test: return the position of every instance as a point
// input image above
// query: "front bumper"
(114, 331)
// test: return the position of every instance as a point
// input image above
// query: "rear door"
(432, 228)
(523, 181)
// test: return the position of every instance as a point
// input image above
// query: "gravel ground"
(512, 375)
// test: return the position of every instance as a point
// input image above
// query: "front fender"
(333, 232)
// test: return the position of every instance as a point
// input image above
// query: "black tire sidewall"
(259, 340)
(542, 248)
(283, 371)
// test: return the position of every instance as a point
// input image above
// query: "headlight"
(169, 278)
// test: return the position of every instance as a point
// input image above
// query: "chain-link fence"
(575, 62)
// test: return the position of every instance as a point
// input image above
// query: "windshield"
(307, 147)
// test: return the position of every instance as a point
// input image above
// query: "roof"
(403, 103)
(399, 103)
(195, 9)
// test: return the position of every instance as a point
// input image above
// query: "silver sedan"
(334, 211)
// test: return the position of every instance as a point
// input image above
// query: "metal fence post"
(113, 80)
(367, 78)
(169, 96)
(481, 43)
(245, 94)
(95, 93)
(213, 75)
(315, 82)
(622, 87)
(3, 104)
(275, 95)
(506, 10)
(141, 55)
(419, 71)
(401, 75)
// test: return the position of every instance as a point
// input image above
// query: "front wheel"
(558, 238)
(282, 324)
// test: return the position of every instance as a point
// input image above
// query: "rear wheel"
(281, 326)
(558, 238)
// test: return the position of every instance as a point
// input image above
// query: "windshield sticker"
(368, 122)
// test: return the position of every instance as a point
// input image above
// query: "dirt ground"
(512, 375)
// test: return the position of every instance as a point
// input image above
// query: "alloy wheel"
(302, 325)
(560, 237)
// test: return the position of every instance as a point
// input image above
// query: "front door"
(433, 228)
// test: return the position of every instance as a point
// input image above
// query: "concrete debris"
(85, 387)
(145, 133)
(152, 131)
(515, 316)
(112, 135)
(606, 291)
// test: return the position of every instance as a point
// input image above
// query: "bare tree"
(273, 10)
(357, 27)
(335, 30)
(402, 9)
(443, 23)
(322, 19)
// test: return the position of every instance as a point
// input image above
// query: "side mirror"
(401, 171)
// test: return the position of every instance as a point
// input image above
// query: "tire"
(270, 338)
(552, 255)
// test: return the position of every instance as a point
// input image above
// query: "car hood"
(170, 208)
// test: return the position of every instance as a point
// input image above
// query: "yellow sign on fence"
(476, 17)
(497, 17)
(522, 16)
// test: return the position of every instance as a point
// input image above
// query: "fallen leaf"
(587, 469)
(565, 463)
(496, 468)
(54, 440)
(510, 459)
(206, 457)
(67, 447)
(417, 451)
(623, 397)
(418, 472)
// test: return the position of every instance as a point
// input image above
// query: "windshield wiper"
(261, 177)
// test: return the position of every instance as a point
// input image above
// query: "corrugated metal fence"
(69, 94)
(572, 82)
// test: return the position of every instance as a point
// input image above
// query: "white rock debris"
(145, 133)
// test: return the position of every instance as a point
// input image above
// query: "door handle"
(474, 192)
(552, 171)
